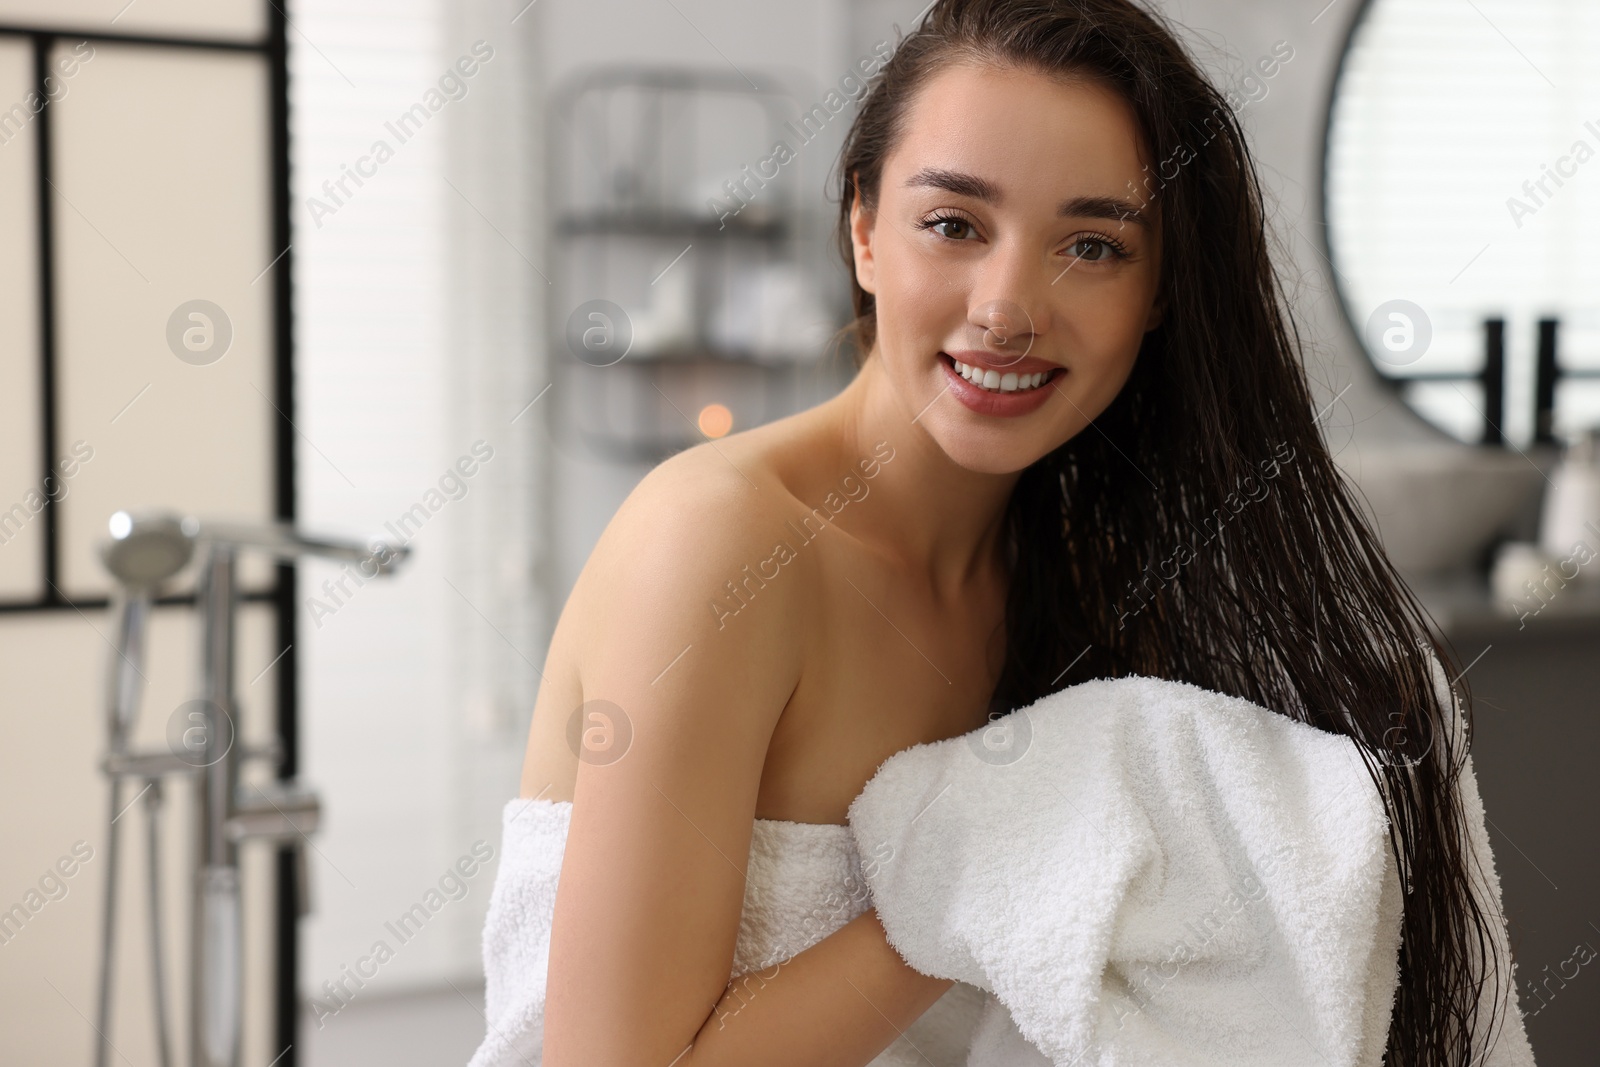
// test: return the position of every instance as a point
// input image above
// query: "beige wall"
(161, 174)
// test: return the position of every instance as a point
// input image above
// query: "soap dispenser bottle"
(1571, 512)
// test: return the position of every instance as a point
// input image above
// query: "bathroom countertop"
(1463, 604)
(1534, 735)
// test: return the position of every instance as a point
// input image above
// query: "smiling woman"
(1072, 381)
(979, 226)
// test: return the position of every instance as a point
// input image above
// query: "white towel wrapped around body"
(1142, 871)
(803, 882)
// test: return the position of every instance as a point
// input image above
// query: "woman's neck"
(930, 514)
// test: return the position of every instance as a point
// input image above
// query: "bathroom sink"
(1438, 507)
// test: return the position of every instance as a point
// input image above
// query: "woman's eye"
(1098, 249)
(956, 229)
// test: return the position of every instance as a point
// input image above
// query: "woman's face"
(1007, 238)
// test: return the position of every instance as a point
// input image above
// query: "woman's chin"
(994, 452)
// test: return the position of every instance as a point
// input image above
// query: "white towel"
(803, 882)
(1141, 871)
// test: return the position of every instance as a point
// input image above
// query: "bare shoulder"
(650, 618)
(690, 528)
(668, 576)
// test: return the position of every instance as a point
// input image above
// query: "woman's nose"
(1010, 302)
(1002, 326)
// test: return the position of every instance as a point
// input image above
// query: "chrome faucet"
(145, 551)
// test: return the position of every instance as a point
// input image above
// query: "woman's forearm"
(837, 1004)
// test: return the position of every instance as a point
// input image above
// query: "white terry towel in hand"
(1142, 871)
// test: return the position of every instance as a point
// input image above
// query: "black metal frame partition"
(275, 50)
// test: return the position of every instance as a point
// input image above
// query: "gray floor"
(428, 1029)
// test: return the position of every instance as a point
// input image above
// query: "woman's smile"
(1004, 386)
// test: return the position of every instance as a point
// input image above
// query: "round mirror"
(1461, 184)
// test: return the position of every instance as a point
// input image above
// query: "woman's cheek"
(909, 289)
(1105, 358)
(1119, 322)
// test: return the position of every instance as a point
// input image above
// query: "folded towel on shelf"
(1142, 871)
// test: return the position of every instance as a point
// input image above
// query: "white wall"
(413, 345)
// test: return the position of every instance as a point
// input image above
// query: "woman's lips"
(1006, 405)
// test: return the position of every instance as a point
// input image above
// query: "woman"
(1092, 452)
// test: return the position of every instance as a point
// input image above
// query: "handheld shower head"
(146, 550)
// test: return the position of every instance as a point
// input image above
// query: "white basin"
(1439, 506)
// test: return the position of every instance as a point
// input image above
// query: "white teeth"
(994, 381)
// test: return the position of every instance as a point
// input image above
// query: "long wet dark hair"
(1199, 530)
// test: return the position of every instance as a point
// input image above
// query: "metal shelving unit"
(672, 293)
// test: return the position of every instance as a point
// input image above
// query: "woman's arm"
(853, 981)
(652, 882)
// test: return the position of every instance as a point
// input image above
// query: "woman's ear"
(1158, 310)
(861, 224)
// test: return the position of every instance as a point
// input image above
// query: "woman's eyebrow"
(956, 182)
(1094, 207)
(1102, 207)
